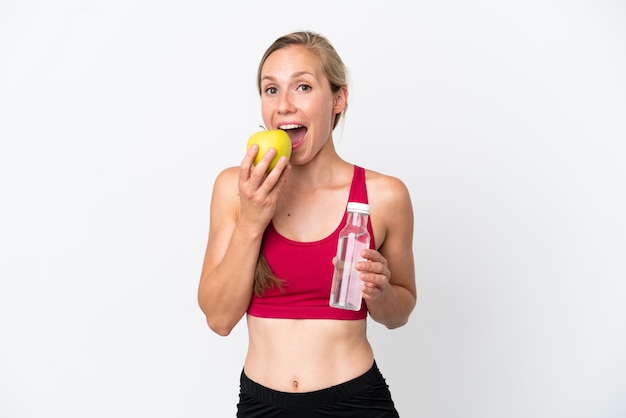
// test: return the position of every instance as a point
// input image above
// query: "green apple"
(272, 138)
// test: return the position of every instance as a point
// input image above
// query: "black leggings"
(366, 396)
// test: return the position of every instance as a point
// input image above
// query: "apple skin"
(272, 138)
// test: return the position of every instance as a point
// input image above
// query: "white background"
(506, 120)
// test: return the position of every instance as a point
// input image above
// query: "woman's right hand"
(259, 190)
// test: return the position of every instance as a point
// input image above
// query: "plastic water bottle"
(346, 286)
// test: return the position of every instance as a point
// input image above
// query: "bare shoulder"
(225, 191)
(385, 191)
(227, 175)
(391, 210)
(226, 181)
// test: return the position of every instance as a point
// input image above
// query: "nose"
(285, 103)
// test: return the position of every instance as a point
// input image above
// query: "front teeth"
(291, 126)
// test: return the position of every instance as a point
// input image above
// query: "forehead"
(292, 60)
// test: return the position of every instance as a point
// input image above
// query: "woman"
(272, 238)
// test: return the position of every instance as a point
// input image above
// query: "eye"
(304, 87)
(270, 91)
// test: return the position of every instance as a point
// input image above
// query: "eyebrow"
(295, 75)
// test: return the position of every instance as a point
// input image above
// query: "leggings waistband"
(335, 393)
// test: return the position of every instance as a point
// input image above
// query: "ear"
(341, 100)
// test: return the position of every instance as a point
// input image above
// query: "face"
(296, 97)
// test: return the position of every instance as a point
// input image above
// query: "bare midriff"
(303, 355)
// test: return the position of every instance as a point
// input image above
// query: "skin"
(305, 198)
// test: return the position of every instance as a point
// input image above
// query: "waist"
(336, 393)
(301, 355)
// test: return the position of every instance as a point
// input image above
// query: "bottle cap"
(359, 207)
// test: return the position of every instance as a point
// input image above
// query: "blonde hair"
(336, 73)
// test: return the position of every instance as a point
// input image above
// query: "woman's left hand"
(374, 273)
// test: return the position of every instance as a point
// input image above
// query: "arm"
(389, 288)
(242, 204)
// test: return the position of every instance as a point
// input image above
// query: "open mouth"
(296, 132)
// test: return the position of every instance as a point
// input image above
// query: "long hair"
(336, 73)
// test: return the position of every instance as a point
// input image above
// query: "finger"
(370, 290)
(375, 267)
(369, 287)
(276, 179)
(284, 168)
(373, 255)
(261, 168)
(247, 163)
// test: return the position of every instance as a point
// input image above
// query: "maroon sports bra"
(306, 270)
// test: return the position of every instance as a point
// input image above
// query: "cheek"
(329, 115)
(323, 112)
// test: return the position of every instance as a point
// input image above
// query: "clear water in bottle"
(347, 285)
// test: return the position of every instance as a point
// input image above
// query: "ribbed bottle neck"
(357, 219)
